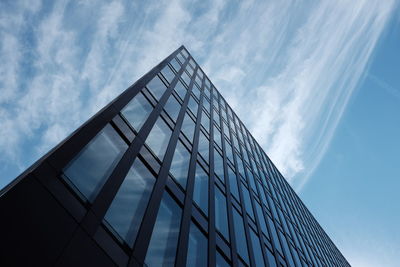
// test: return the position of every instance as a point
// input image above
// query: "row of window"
(247, 169)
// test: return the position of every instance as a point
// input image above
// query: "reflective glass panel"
(156, 87)
(220, 261)
(159, 137)
(247, 202)
(197, 248)
(204, 146)
(186, 78)
(196, 92)
(89, 170)
(168, 73)
(240, 235)
(221, 216)
(233, 184)
(127, 209)
(137, 111)
(200, 194)
(180, 89)
(205, 121)
(258, 255)
(218, 165)
(180, 164)
(164, 239)
(172, 107)
(217, 137)
(271, 258)
(175, 65)
(260, 217)
(188, 127)
(193, 106)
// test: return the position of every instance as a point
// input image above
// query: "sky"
(316, 82)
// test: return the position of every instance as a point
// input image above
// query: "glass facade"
(174, 177)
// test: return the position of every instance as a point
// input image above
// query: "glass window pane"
(168, 73)
(127, 209)
(205, 121)
(180, 89)
(233, 184)
(204, 146)
(180, 164)
(274, 234)
(193, 106)
(196, 91)
(258, 255)
(200, 194)
(216, 118)
(260, 217)
(218, 166)
(164, 239)
(217, 137)
(186, 78)
(228, 149)
(175, 64)
(221, 216)
(172, 107)
(271, 258)
(206, 104)
(89, 170)
(197, 248)
(180, 58)
(247, 201)
(188, 127)
(251, 180)
(240, 236)
(159, 137)
(137, 111)
(156, 87)
(220, 261)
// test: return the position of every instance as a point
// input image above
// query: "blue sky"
(316, 82)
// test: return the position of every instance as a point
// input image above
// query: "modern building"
(164, 175)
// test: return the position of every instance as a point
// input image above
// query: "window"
(274, 235)
(271, 258)
(220, 261)
(186, 78)
(217, 136)
(228, 151)
(188, 127)
(221, 216)
(233, 184)
(247, 202)
(159, 137)
(156, 87)
(193, 106)
(205, 121)
(240, 236)
(196, 92)
(198, 80)
(172, 107)
(260, 217)
(180, 164)
(127, 209)
(206, 104)
(216, 117)
(204, 146)
(197, 248)
(89, 170)
(180, 58)
(168, 73)
(258, 255)
(218, 165)
(200, 194)
(175, 64)
(180, 89)
(137, 111)
(164, 239)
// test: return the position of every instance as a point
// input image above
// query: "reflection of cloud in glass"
(127, 209)
(164, 239)
(89, 170)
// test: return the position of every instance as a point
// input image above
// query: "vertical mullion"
(182, 247)
(146, 228)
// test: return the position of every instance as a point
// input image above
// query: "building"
(150, 180)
